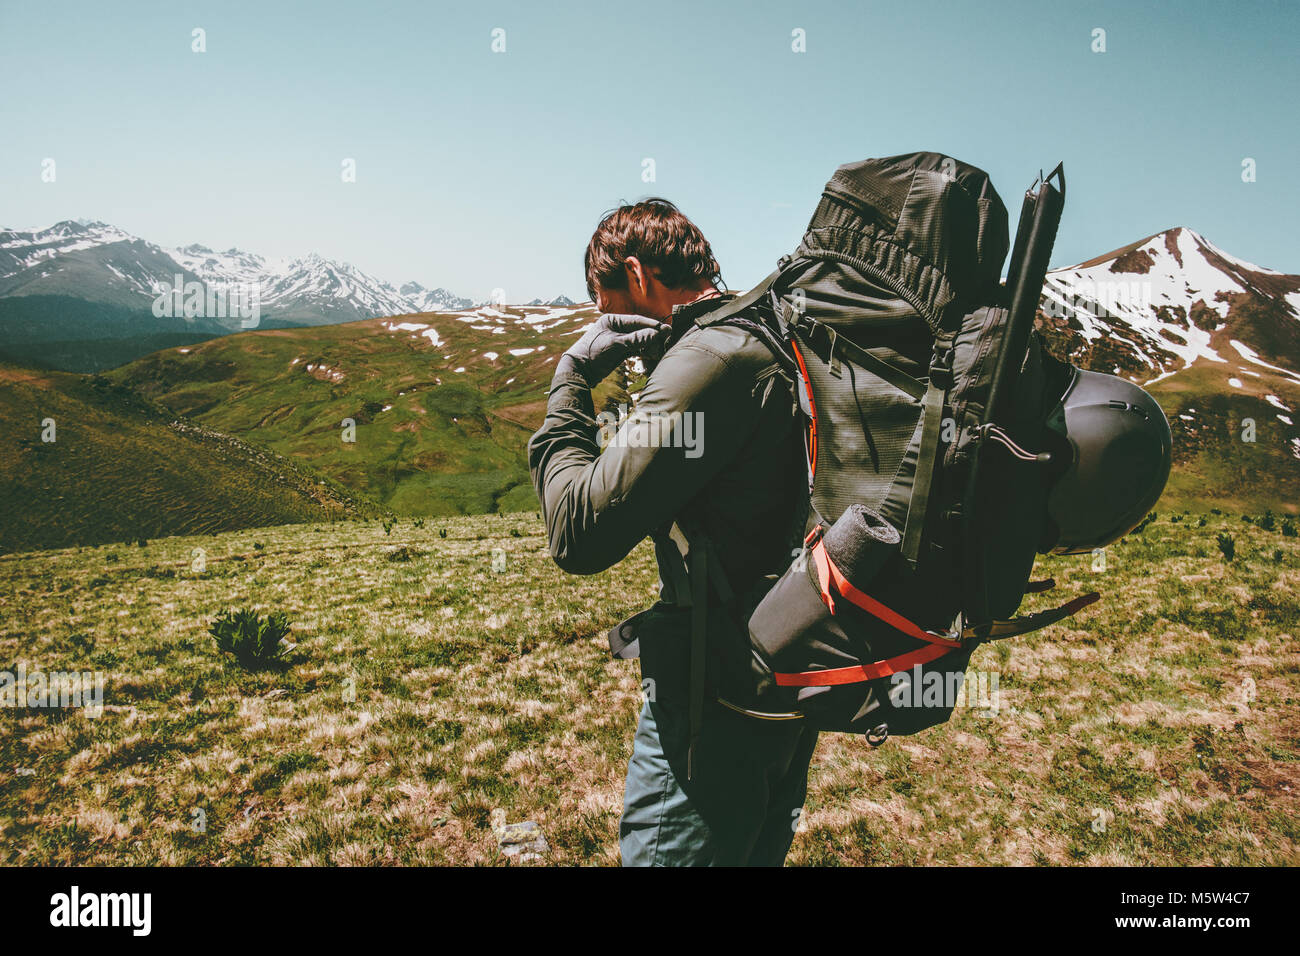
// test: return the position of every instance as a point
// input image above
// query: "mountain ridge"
(97, 261)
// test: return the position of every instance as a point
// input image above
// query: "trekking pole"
(1040, 215)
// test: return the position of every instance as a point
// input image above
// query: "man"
(729, 788)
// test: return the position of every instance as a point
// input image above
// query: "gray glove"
(613, 338)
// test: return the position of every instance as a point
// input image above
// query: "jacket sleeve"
(693, 416)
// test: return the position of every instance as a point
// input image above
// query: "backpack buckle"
(941, 367)
(835, 367)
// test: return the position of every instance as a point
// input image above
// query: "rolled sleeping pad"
(859, 542)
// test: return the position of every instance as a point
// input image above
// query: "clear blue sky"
(478, 170)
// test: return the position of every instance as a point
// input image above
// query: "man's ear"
(637, 281)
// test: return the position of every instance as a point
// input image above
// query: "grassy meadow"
(431, 684)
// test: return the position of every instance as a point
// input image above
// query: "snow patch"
(1249, 354)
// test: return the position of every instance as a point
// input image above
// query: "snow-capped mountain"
(1157, 306)
(97, 262)
(89, 261)
(559, 302)
(432, 300)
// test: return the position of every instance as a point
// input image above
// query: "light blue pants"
(741, 808)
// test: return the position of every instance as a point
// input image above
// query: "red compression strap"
(861, 672)
(828, 574)
(826, 569)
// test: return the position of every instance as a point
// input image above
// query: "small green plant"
(442, 532)
(255, 641)
(1200, 522)
(1227, 545)
(1277, 555)
(1288, 528)
(1248, 519)
(257, 546)
(1174, 519)
(419, 522)
(388, 525)
(1215, 511)
(142, 542)
(1267, 522)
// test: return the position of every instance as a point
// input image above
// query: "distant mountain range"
(110, 280)
(97, 262)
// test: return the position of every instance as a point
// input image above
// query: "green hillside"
(73, 335)
(1214, 463)
(433, 440)
(122, 469)
(439, 428)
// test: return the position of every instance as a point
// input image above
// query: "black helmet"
(1122, 453)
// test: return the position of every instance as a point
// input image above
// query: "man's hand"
(609, 341)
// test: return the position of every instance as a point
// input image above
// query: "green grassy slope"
(428, 690)
(1214, 464)
(62, 332)
(122, 469)
(430, 439)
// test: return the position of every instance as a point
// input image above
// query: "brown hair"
(668, 244)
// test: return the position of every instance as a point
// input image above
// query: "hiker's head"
(645, 258)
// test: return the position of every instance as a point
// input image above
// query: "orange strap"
(828, 576)
(812, 407)
(827, 570)
(861, 672)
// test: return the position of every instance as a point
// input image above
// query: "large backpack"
(927, 397)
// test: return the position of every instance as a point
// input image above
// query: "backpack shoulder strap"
(732, 313)
(733, 307)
